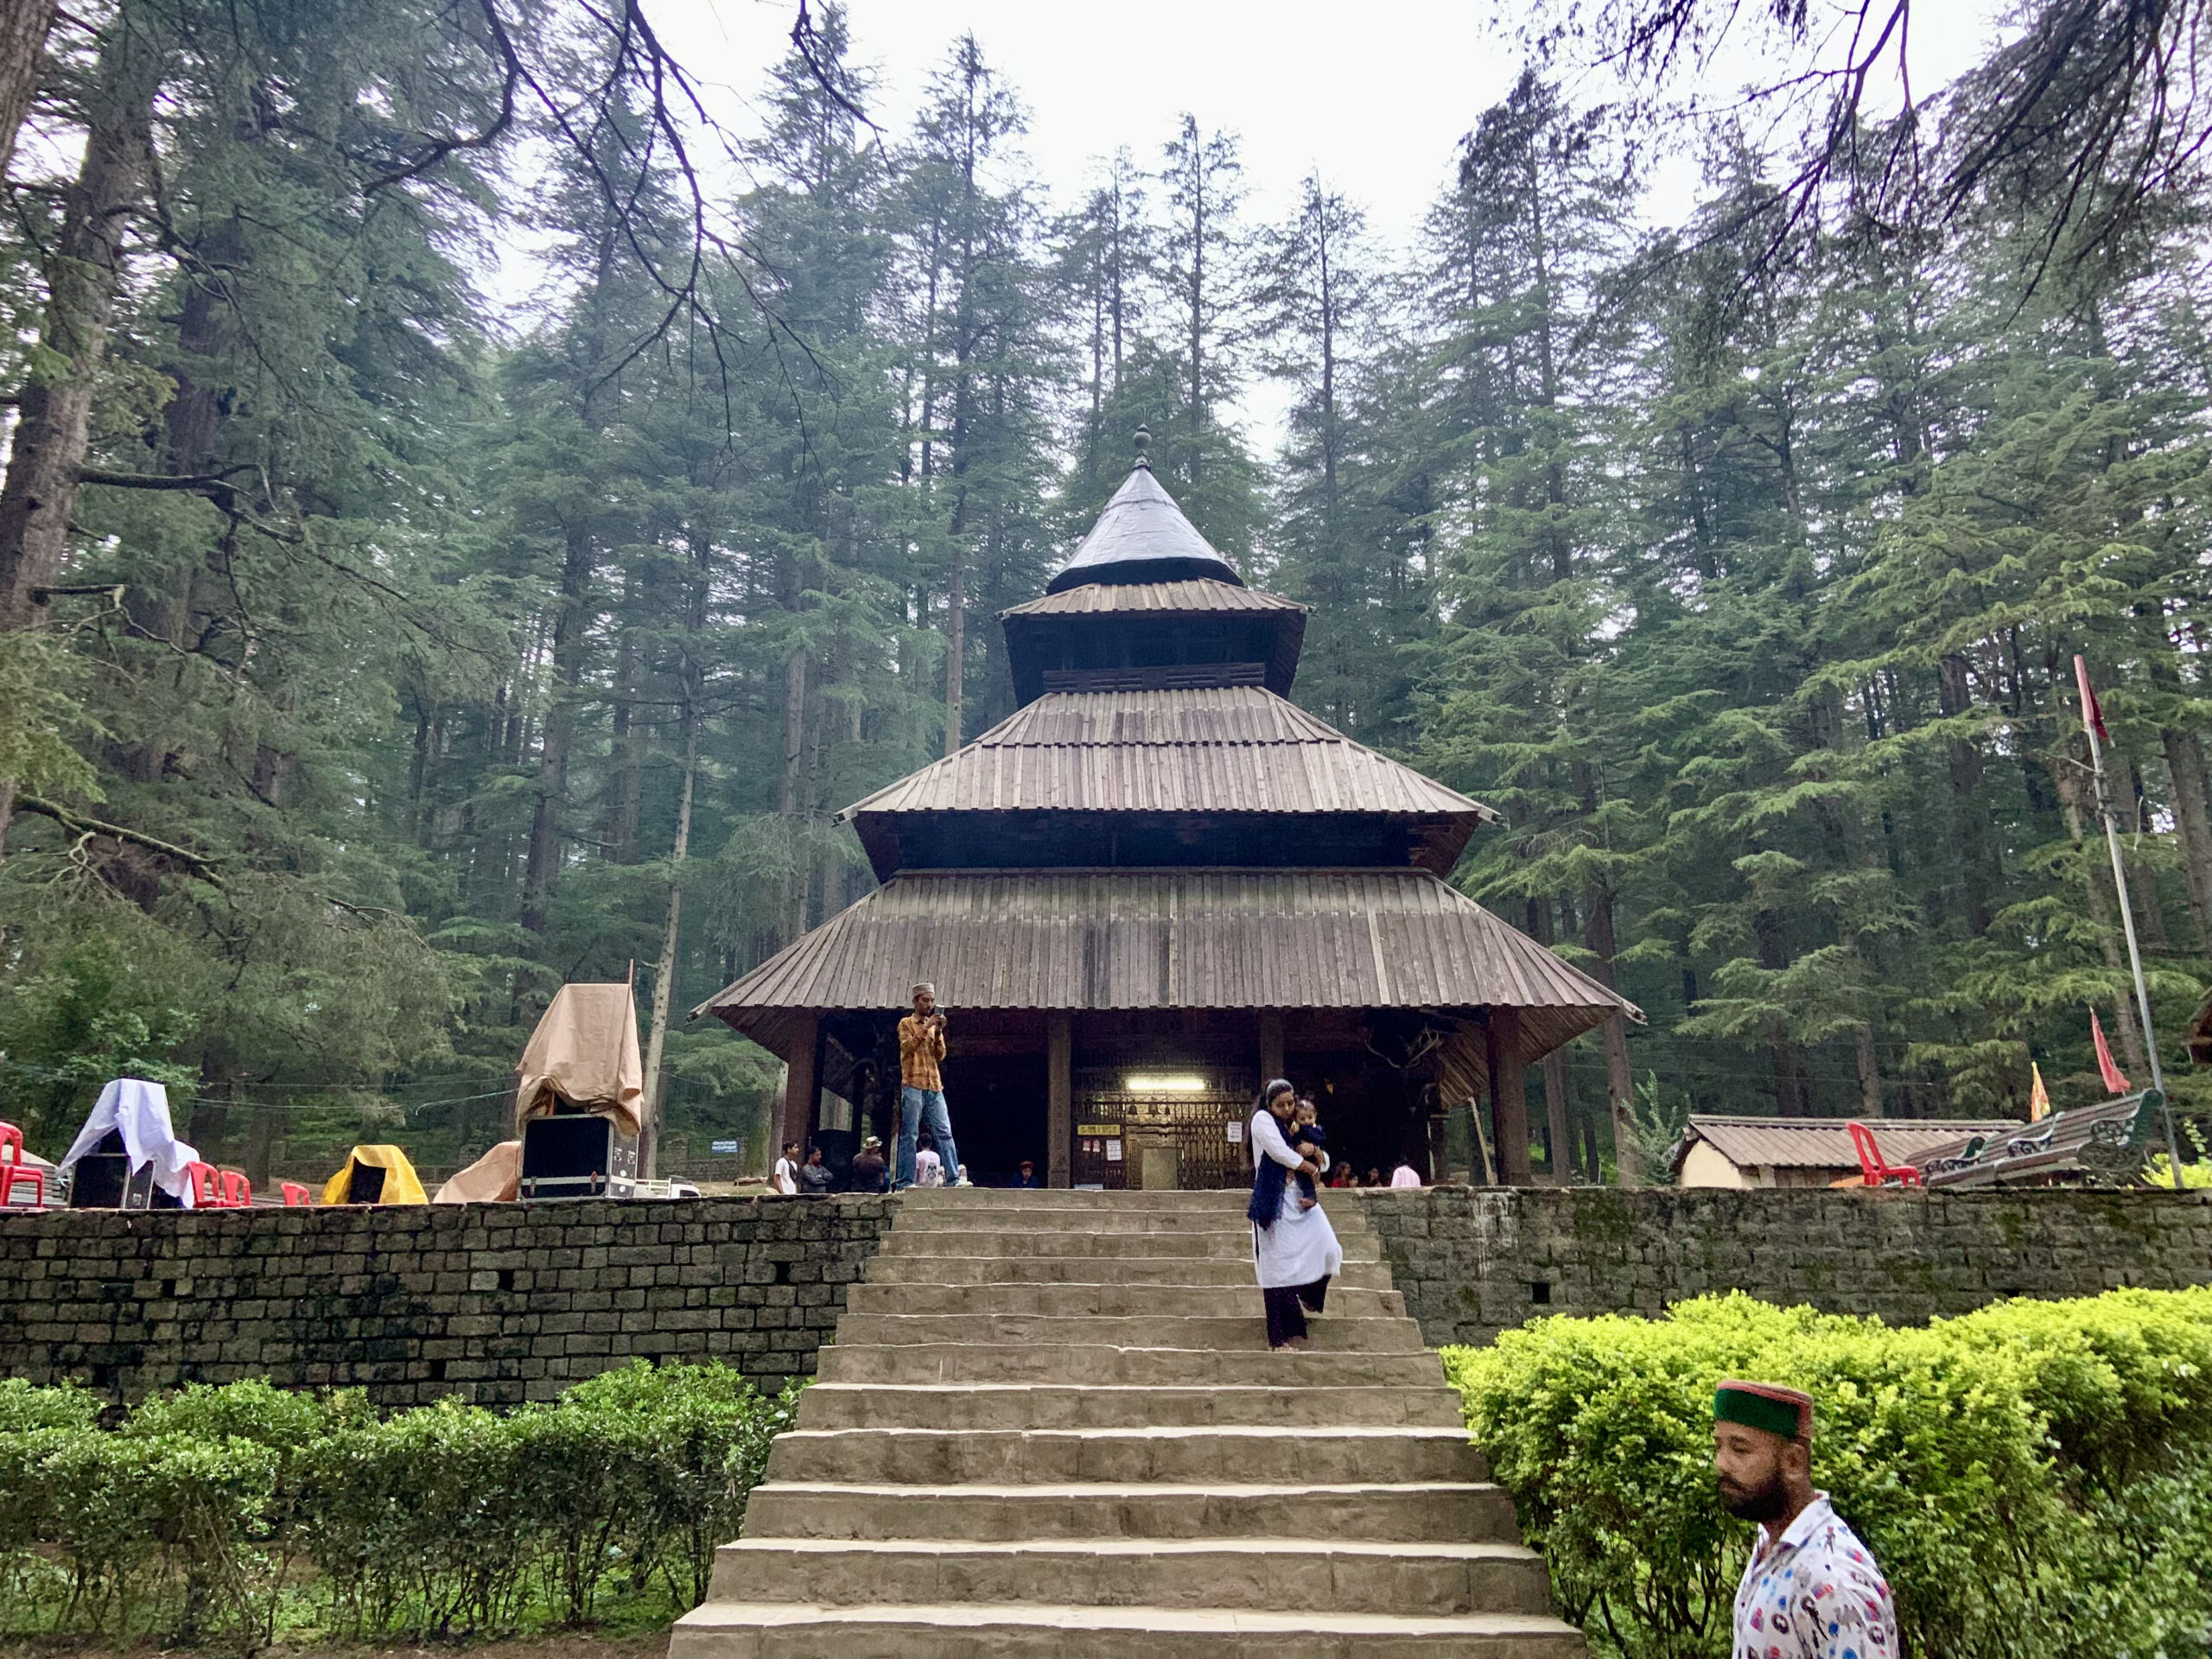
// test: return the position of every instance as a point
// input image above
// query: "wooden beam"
(1509, 1098)
(1271, 1050)
(1059, 1099)
(802, 1092)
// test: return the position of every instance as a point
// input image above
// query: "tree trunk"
(664, 974)
(1620, 1086)
(1558, 1133)
(1870, 1075)
(569, 630)
(955, 624)
(1954, 695)
(2185, 770)
(23, 27)
(53, 428)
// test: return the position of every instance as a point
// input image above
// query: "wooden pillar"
(1509, 1098)
(802, 1074)
(1059, 1099)
(1558, 1135)
(1271, 1054)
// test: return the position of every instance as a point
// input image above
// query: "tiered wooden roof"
(1158, 826)
(1141, 939)
(1203, 752)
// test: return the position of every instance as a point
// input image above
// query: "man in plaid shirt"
(921, 1086)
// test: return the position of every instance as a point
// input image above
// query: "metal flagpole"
(2089, 723)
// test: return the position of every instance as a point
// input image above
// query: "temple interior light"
(1173, 1082)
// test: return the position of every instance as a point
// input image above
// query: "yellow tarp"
(401, 1183)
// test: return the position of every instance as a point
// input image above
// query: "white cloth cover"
(1405, 1175)
(140, 1111)
(1302, 1246)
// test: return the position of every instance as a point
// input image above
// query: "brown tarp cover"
(585, 1052)
(495, 1178)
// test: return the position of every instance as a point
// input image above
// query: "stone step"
(1233, 1271)
(942, 1457)
(917, 1199)
(1002, 1405)
(1105, 1224)
(1012, 1245)
(1439, 1578)
(979, 1215)
(1435, 1511)
(1333, 1333)
(727, 1630)
(1099, 1363)
(1102, 1298)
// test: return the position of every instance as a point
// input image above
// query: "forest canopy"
(379, 650)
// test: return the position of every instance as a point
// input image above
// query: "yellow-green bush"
(2034, 1476)
(225, 1513)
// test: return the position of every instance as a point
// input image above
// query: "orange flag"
(2116, 1079)
(2039, 1097)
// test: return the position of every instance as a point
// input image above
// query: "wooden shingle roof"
(1139, 939)
(1237, 748)
(1196, 597)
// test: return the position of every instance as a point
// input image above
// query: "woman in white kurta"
(1295, 1248)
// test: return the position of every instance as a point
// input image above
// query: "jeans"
(916, 1108)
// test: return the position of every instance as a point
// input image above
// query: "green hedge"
(2035, 1478)
(228, 1514)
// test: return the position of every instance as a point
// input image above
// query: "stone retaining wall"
(500, 1303)
(1472, 1262)
(496, 1303)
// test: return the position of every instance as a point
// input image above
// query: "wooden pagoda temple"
(1154, 884)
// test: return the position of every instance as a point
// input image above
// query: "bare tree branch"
(77, 824)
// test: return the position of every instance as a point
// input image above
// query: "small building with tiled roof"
(1715, 1151)
(1155, 884)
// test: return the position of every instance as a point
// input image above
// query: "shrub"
(191, 1518)
(24, 1405)
(2026, 1475)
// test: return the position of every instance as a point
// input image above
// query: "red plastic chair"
(1873, 1168)
(238, 1191)
(206, 1189)
(294, 1194)
(13, 1169)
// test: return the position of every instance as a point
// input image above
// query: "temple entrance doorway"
(997, 1102)
(1162, 1126)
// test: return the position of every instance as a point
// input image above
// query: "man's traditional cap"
(1786, 1412)
(924, 985)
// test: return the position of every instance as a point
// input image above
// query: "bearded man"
(1812, 1591)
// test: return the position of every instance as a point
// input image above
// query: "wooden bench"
(2106, 1144)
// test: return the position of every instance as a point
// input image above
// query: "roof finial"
(1144, 437)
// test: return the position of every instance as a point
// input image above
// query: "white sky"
(1376, 98)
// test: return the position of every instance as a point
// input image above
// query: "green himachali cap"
(1768, 1405)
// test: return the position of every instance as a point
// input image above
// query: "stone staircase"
(1051, 1425)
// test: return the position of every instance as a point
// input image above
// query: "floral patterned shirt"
(1814, 1593)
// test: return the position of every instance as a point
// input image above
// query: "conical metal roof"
(1143, 536)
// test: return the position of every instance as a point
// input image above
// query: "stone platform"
(1050, 1425)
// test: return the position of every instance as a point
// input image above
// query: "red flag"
(2092, 716)
(2116, 1079)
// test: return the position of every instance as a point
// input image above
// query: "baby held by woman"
(1308, 1139)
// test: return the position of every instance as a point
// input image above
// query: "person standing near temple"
(921, 1086)
(1811, 1591)
(1294, 1249)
